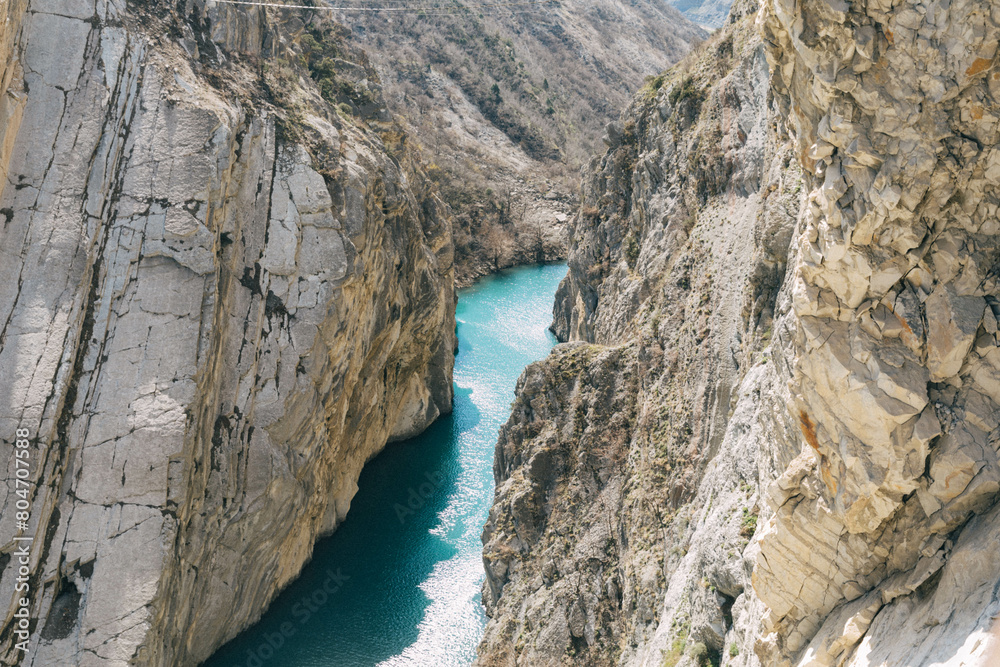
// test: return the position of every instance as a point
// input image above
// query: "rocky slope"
(774, 441)
(507, 103)
(603, 517)
(706, 13)
(226, 285)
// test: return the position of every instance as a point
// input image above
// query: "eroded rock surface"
(220, 297)
(894, 299)
(628, 476)
(807, 469)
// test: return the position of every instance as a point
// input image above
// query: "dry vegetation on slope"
(508, 104)
(622, 510)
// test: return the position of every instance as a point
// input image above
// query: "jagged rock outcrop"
(891, 340)
(220, 294)
(846, 421)
(625, 498)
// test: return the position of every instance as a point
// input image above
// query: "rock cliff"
(774, 439)
(707, 13)
(890, 338)
(623, 505)
(226, 284)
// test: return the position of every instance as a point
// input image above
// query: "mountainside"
(508, 102)
(226, 284)
(773, 438)
(706, 13)
(619, 493)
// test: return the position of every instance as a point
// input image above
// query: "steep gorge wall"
(624, 504)
(775, 441)
(221, 296)
(892, 338)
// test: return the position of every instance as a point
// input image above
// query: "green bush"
(686, 89)
(653, 85)
(749, 524)
(699, 652)
(686, 97)
(631, 250)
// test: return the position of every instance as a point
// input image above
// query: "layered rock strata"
(892, 342)
(220, 294)
(804, 471)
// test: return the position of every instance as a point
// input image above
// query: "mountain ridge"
(772, 436)
(507, 105)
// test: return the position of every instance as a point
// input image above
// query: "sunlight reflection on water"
(411, 542)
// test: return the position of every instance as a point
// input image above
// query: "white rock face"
(210, 323)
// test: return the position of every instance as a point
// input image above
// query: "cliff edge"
(225, 285)
(772, 439)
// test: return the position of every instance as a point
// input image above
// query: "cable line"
(439, 9)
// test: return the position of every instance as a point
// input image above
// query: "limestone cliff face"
(220, 294)
(776, 441)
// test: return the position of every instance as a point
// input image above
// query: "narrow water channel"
(406, 564)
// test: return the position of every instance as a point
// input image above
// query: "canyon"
(409, 554)
(772, 436)
(769, 436)
(506, 103)
(229, 281)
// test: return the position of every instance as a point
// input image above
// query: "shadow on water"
(398, 582)
(339, 595)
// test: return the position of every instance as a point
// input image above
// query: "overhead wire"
(426, 9)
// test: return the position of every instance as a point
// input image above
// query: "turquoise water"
(398, 583)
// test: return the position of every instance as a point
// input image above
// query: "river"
(398, 583)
